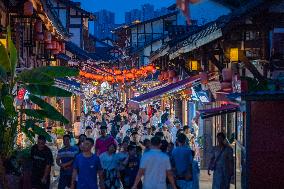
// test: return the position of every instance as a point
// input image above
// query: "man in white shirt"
(155, 166)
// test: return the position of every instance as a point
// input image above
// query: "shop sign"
(21, 94)
(203, 96)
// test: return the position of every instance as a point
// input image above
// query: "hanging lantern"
(38, 26)
(109, 78)
(160, 77)
(47, 37)
(172, 73)
(187, 91)
(62, 47)
(58, 46)
(117, 72)
(39, 37)
(170, 80)
(125, 71)
(129, 76)
(120, 78)
(165, 75)
(28, 8)
(150, 68)
(133, 70)
(54, 45)
(227, 74)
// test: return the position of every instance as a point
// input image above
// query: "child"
(195, 172)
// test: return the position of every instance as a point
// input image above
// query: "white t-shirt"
(156, 164)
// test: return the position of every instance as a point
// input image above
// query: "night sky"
(121, 6)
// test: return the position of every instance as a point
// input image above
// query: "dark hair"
(221, 134)
(185, 127)
(156, 141)
(90, 140)
(159, 134)
(41, 137)
(164, 146)
(193, 153)
(134, 133)
(68, 136)
(88, 127)
(181, 138)
(145, 141)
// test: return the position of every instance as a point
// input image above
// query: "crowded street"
(141, 94)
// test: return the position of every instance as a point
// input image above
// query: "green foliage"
(4, 59)
(34, 77)
(40, 83)
(59, 131)
(57, 71)
(46, 90)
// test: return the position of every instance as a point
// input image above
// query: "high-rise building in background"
(147, 12)
(133, 15)
(104, 24)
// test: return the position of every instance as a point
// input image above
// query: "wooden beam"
(216, 62)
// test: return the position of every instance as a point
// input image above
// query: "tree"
(39, 82)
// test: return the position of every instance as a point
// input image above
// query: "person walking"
(131, 164)
(155, 167)
(42, 160)
(64, 160)
(87, 168)
(110, 165)
(104, 141)
(182, 163)
(222, 163)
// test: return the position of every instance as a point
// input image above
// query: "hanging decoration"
(120, 76)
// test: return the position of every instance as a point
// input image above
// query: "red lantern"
(54, 45)
(170, 80)
(120, 78)
(187, 91)
(62, 47)
(172, 73)
(160, 77)
(166, 75)
(129, 76)
(227, 74)
(133, 70)
(28, 8)
(38, 26)
(117, 72)
(47, 37)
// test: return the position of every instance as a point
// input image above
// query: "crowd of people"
(122, 149)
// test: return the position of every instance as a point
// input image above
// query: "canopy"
(169, 88)
(207, 113)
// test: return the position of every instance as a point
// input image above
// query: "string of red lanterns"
(120, 76)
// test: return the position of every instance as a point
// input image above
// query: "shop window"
(252, 35)
(253, 53)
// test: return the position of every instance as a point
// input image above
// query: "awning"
(169, 88)
(69, 85)
(207, 113)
